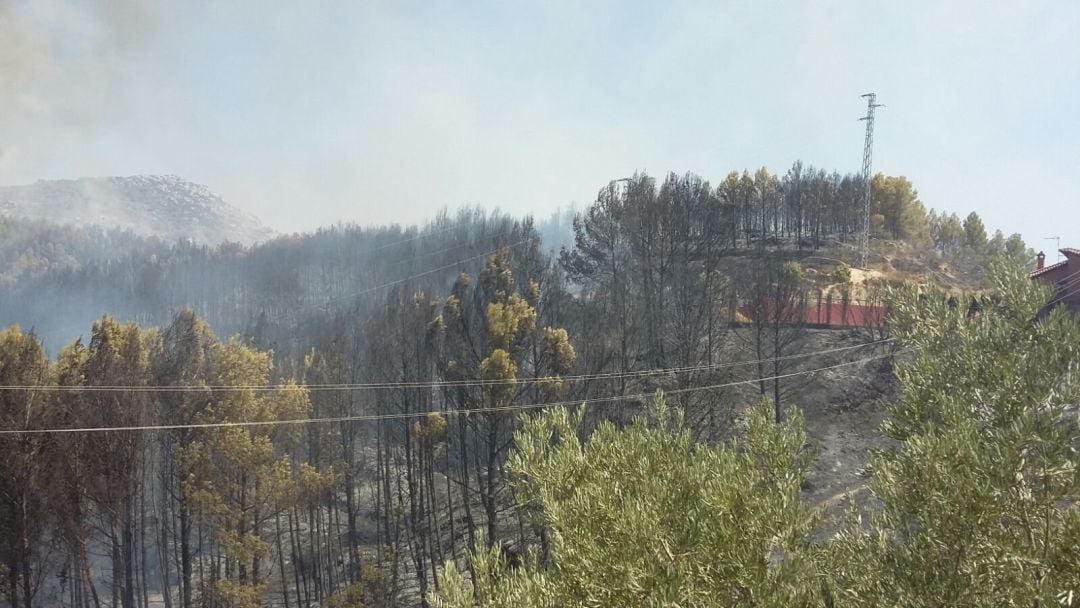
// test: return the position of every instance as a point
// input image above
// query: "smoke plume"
(66, 60)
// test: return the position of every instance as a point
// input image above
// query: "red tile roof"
(1044, 270)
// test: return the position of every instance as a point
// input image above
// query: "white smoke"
(23, 58)
(66, 61)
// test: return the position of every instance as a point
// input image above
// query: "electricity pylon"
(867, 164)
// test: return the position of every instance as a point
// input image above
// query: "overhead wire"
(421, 234)
(134, 388)
(414, 276)
(373, 288)
(442, 412)
(1064, 286)
(470, 243)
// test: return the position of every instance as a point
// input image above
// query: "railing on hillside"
(821, 311)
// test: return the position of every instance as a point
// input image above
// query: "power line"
(373, 288)
(421, 233)
(416, 276)
(443, 412)
(470, 243)
(1063, 286)
(440, 384)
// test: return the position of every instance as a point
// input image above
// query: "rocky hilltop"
(165, 206)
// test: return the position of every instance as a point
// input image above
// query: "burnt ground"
(843, 410)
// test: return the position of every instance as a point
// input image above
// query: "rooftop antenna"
(867, 164)
(1057, 246)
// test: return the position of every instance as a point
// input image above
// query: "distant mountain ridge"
(165, 206)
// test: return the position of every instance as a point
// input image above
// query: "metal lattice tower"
(867, 164)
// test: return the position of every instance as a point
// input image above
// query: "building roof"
(1046, 269)
(1070, 251)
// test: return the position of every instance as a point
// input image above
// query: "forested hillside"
(59, 279)
(31, 249)
(329, 418)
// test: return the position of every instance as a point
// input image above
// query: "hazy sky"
(310, 113)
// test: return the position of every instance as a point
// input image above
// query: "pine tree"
(24, 472)
(239, 478)
(492, 336)
(974, 233)
(184, 358)
(118, 355)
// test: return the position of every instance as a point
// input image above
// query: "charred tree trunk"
(185, 553)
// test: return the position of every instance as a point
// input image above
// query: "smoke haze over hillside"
(388, 112)
(164, 206)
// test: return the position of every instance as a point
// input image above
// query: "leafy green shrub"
(980, 500)
(647, 517)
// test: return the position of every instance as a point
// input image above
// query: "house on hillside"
(1063, 276)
